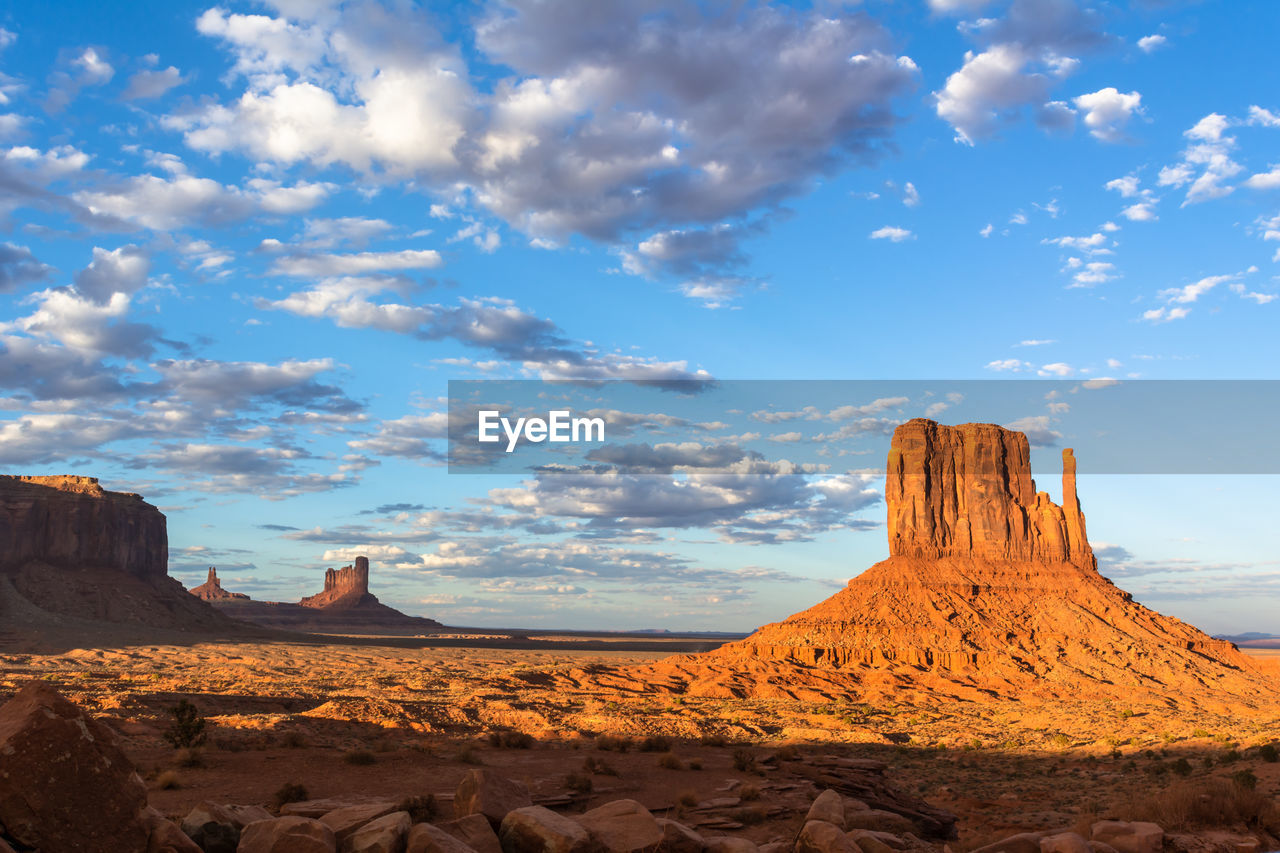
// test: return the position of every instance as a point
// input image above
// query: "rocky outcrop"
(966, 491)
(347, 587)
(72, 522)
(991, 589)
(211, 590)
(80, 564)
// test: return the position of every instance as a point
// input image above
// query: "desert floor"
(346, 720)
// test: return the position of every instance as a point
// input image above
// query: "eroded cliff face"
(966, 491)
(347, 586)
(72, 522)
(211, 589)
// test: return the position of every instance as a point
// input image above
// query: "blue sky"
(247, 246)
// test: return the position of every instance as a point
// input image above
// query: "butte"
(991, 592)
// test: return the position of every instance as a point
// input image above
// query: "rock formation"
(990, 589)
(74, 556)
(344, 588)
(72, 522)
(211, 589)
(344, 606)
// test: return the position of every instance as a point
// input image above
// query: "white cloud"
(1210, 156)
(1265, 118)
(1265, 180)
(165, 205)
(299, 198)
(1165, 315)
(1057, 368)
(1152, 43)
(1126, 186)
(910, 196)
(1093, 244)
(892, 233)
(152, 84)
(1245, 293)
(122, 270)
(1143, 211)
(94, 69)
(986, 230)
(987, 86)
(307, 266)
(1107, 112)
(1093, 274)
(1008, 364)
(1194, 291)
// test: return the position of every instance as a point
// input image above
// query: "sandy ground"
(390, 722)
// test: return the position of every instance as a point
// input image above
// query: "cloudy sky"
(246, 247)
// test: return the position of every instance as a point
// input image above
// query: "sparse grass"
(611, 743)
(168, 780)
(293, 739)
(750, 816)
(656, 743)
(744, 761)
(688, 799)
(229, 744)
(289, 792)
(1191, 804)
(359, 757)
(598, 766)
(510, 740)
(189, 757)
(579, 783)
(749, 793)
(715, 740)
(1200, 733)
(469, 755)
(1061, 740)
(420, 809)
(670, 761)
(187, 728)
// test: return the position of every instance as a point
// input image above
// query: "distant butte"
(990, 590)
(344, 606)
(211, 589)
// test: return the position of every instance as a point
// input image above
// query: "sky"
(246, 250)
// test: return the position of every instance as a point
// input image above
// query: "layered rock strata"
(211, 589)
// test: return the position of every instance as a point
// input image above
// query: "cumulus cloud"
(152, 84)
(1152, 43)
(1107, 112)
(892, 233)
(18, 266)
(1206, 163)
(1265, 180)
(122, 270)
(165, 204)
(318, 266)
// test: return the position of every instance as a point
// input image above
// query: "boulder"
(1103, 847)
(485, 792)
(287, 835)
(319, 808)
(534, 829)
(214, 827)
(1064, 842)
(829, 807)
(348, 819)
(1129, 837)
(386, 834)
(729, 844)
(622, 826)
(165, 836)
(888, 839)
(425, 838)
(678, 838)
(879, 820)
(475, 831)
(819, 836)
(64, 783)
(868, 842)
(1023, 842)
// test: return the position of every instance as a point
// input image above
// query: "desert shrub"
(187, 728)
(715, 740)
(656, 743)
(598, 766)
(579, 783)
(688, 799)
(1200, 733)
(695, 764)
(750, 816)
(1206, 802)
(610, 743)
(788, 753)
(189, 757)
(510, 740)
(1126, 714)
(359, 757)
(1182, 767)
(1246, 779)
(468, 755)
(168, 780)
(293, 739)
(1268, 752)
(749, 793)
(289, 792)
(670, 761)
(420, 809)
(1229, 757)
(744, 761)
(1061, 740)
